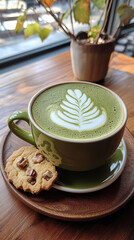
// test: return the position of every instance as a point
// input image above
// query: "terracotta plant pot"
(90, 61)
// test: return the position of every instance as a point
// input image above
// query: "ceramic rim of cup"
(76, 140)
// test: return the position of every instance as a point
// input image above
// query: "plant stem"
(107, 14)
(108, 7)
(100, 18)
(116, 31)
(69, 3)
(61, 25)
(90, 16)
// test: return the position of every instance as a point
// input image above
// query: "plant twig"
(69, 3)
(107, 14)
(108, 7)
(100, 18)
(116, 31)
(61, 25)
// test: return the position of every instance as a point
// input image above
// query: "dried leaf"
(99, 3)
(43, 34)
(48, 3)
(82, 11)
(94, 31)
(32, 29)
(20, 22)
(66, 14)
(126, 13)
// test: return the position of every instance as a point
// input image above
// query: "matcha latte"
(76, 125)
(78, 111)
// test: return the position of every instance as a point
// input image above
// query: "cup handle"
(19, 132)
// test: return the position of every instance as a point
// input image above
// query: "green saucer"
(93, 180)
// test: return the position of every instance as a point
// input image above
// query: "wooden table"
(17, 221)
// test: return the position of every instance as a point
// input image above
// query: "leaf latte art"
(77, 112)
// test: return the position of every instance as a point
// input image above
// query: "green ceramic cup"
(70, 154)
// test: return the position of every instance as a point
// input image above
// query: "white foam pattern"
(77, 112)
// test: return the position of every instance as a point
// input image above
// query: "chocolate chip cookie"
(29, 170)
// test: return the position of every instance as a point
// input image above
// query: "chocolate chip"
(38, 158)
(47, 175)
(31, 172)
(22, 163)
(31, 180)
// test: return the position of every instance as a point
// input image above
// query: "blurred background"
(13, 46)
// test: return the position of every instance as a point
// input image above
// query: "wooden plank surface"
(17, 221)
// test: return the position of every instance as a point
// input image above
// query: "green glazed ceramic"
(93, 180)
(71, 153)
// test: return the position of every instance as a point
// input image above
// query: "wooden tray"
(70, 206)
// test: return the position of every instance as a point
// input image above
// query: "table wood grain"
(17, 221)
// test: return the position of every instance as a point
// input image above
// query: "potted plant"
(91, 49)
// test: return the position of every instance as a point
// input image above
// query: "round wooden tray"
(71, 206)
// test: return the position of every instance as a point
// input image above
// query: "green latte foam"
(55, 102)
